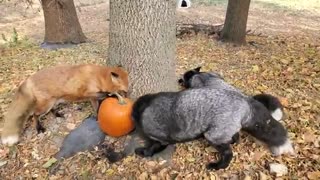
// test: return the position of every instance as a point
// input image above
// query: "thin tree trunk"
(61, 22)
(142, 39)
(235, 25)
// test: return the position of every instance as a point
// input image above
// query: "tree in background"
(234, 29)
(61, 22)
(142, 38)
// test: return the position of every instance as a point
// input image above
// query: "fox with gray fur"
(214, 80)
(216, 112)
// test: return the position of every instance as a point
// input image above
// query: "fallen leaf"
(247, 177)
(213, 177)
(258, 155)
(255, 68)
(191, 159)
(71, 126)
(278, 169)
(151, 164)
(309, 137)
(314, 175)
(284, 101)
(4, 152)
(35, 154)
(109, 172)
(262, 176)
(153, 177)
(49, 163)
(2, 163)
(284, 61)
(143, 176)
(289, 90)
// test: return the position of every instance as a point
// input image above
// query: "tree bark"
(234, 29)
(142, 39)
(61, 22)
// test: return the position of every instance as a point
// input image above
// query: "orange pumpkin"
(114, 116)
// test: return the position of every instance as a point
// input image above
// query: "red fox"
(40, 92)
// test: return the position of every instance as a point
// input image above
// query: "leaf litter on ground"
(289, 71)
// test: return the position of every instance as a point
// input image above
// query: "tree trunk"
(234, 29)
(61, 22)
(142, 39)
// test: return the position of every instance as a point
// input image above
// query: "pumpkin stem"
(120, 98)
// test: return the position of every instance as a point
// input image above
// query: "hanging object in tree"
(184, 3)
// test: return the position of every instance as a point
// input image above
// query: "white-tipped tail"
(286, 148)
(10, 140)
(277, 114)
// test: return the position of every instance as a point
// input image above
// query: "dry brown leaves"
(287, 67)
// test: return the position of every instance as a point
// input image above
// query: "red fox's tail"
(19, 110)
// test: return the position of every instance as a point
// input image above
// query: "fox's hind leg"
(95, 103)
(39, 126)
(221, 142)
(42, 109)
(152, 148)
(226, 155)
(56, 113)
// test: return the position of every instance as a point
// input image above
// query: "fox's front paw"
(143, 152)
(10, 140)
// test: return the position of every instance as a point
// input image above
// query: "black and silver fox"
(214, 80)
(206, 109)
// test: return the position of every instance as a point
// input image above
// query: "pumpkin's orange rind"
(114, 118)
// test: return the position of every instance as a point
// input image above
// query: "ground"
(283, 61)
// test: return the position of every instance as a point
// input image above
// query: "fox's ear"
(197, 69)
(119, 65)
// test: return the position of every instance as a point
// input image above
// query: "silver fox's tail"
(272, 103)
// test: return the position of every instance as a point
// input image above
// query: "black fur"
(56, 113)
(113, 156)
(187, 76)
(271, 102)
(39, 127)
(226, 156)
(141, 104)
(152, 146)
(265, 127)
(184, 3)
(235, 138)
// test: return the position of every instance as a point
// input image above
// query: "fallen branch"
(183, 29)
(206, 29)
(253, 33)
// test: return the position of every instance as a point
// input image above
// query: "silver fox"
(207, 108)
(214, 80)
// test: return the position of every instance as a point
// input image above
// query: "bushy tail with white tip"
(19, 110)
